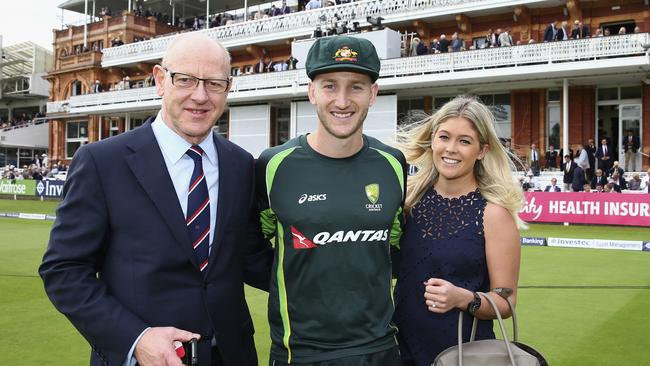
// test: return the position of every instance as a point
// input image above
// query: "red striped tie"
(198, 209)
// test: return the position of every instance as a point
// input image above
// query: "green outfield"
(577, 306)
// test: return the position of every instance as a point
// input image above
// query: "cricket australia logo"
(345, 54)
(372, 192)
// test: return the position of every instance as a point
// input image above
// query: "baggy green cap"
(342, 53)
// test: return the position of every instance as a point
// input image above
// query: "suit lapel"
(224, 199)
(148, 166)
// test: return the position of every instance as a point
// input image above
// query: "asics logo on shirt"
(311, 198)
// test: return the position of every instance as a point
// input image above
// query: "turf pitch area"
(577, 306)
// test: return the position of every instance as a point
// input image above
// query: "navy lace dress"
(443, 238)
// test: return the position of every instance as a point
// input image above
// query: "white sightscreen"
(380, 123)
(250, 127)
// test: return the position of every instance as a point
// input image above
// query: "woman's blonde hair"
(493, 173)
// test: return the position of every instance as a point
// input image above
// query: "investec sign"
(49, 188)
(17, 187)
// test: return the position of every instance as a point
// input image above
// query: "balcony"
(58, 107)
(302, 24)
(81, 60)
(592, 57)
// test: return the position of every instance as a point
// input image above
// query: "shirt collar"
(175, 147)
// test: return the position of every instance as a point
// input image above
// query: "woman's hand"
(442, 296)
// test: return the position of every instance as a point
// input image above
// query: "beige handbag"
(490, 352)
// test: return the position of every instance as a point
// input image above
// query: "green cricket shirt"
(333, 221)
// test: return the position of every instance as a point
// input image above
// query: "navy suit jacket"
(120, 259)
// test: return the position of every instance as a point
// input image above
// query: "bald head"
(195, 46)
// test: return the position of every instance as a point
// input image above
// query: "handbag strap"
(515, 333)
(499, 319)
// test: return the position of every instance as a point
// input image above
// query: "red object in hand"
(180, 350)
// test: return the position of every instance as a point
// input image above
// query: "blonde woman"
(461, 234)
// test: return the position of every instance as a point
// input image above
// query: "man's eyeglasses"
(185, 81)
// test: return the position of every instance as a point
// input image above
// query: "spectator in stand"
(422, 49)
(610, 188)
(551, 158)
(582, 158)
(631, 146)
(578, 181)
(562, 34)
(291, 63)
(530, 182)
(637, 29)
(604, 154)
(550, 33)
(505, 40)
(444, 44)
(586, 188)
(435, 46)
(456, 43)
(284, 9)
(533, 159)
(618, 181)
(126, 81)
(599, 33)
(645, 182)
(590, 147)
(413, 48)
(599, 179)
(568, 168)
(553, 187)
(313, 4)
(635, 183)
(606, 32)
(490, 39)
(580, 31)
(97, 87)
(622, 31)
(616, 168)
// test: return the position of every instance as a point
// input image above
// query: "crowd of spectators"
(582, 170)
(39, 169)
(21, 120)
(125, 83)
(554, 32)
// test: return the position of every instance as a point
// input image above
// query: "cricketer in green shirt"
(334, 221)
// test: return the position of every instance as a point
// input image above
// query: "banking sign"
(49, 188)
(587, 208)
(21, 187)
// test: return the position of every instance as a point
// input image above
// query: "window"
(222, 124)
(280, 128)
(410, 110)
(631, 92)
(136, 122)
(607, 93)
(114, 128)
(76, 88)
(553, 124)
(76, 135)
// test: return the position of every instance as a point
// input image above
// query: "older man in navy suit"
(157, 230)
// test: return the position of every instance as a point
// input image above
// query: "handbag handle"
(500, 320)
(515, 333)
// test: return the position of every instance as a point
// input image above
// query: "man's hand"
(156, 347)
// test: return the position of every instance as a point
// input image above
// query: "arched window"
(76, 88)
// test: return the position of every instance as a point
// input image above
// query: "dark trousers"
(389, 357)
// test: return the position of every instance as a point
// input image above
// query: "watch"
(474, 305)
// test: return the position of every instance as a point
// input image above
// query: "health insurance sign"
(587, 208)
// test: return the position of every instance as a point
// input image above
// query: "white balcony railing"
(61, 106)
(304, 22)
(508, 60)
(114, 98)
